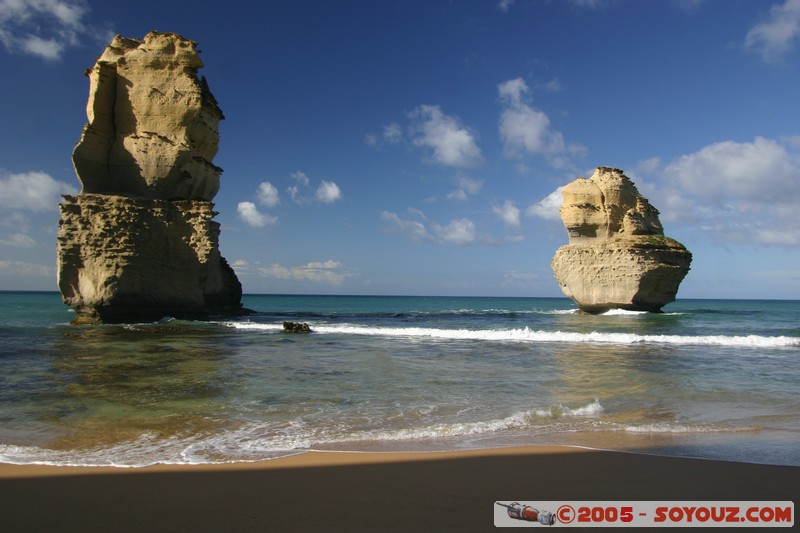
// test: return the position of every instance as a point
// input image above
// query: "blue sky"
(418, 147)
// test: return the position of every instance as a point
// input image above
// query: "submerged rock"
(139, 242)
(618, 256)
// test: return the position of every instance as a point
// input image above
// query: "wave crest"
(529, 335)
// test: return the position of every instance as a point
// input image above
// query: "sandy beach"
(339, 491)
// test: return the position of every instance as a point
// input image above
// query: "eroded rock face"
(130, 260)
(153, 124)
(139, 242)
(617, 256)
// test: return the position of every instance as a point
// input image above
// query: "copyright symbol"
(565, 514)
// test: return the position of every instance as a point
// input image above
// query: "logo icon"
(529, 514)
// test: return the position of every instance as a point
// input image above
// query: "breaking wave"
(529, 335)
(257, 441)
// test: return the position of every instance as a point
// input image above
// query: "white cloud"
(505, 5)
(689, 5)
(19, 240)
(268, 195)
(554, 86)
(45, 48)
(760, 172)
(526, 130)
(301, 193)
(21, 268)
(392, 134)
(461, 231)
(458, 231)
(590, 4)
(301, 178)
(735, 192)
(328, 192)
(508, 213)
(44, 28)
(413, 229)
(328, 272)
(517, 277)
(649, 165)
(548, 207)
(512, 91)
(250, 215)
(452, 144)
(466, 187)
(294, 190)
(35, 191)
(775, 36)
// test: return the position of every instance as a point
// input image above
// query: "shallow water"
(707, 378)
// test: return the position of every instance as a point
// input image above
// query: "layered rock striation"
(139, 242)
(618, 256)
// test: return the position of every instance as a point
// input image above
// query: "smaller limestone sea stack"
(617, 256)
(139, 242)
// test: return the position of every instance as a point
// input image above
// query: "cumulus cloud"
(548, 207)
(301, 193)
(762, 172)
(250, 215)
(34, 191)
(466, 187)
(512, 91)
(412, 229)
(44, 28)
(740, 192)
(326, 272)
(391, 134)
(526, 130)
(328, 192)
(268, 195)
(775, 36)
(452, 143)
(460, 231)
(301, 181)
(240, 264)
(508, 213)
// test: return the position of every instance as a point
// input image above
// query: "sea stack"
(139, 242)
(618, 256)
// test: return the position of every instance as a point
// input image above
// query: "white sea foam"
(529, 335)
(591, 409)
(612, 312)
(259, 441)
(681, 428)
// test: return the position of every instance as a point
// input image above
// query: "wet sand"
(343, 491)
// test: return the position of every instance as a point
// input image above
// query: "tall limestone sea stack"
(617, 256)
(139, 242)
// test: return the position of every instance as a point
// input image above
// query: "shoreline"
(333, 490)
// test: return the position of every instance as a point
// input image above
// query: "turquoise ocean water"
(706, 378)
